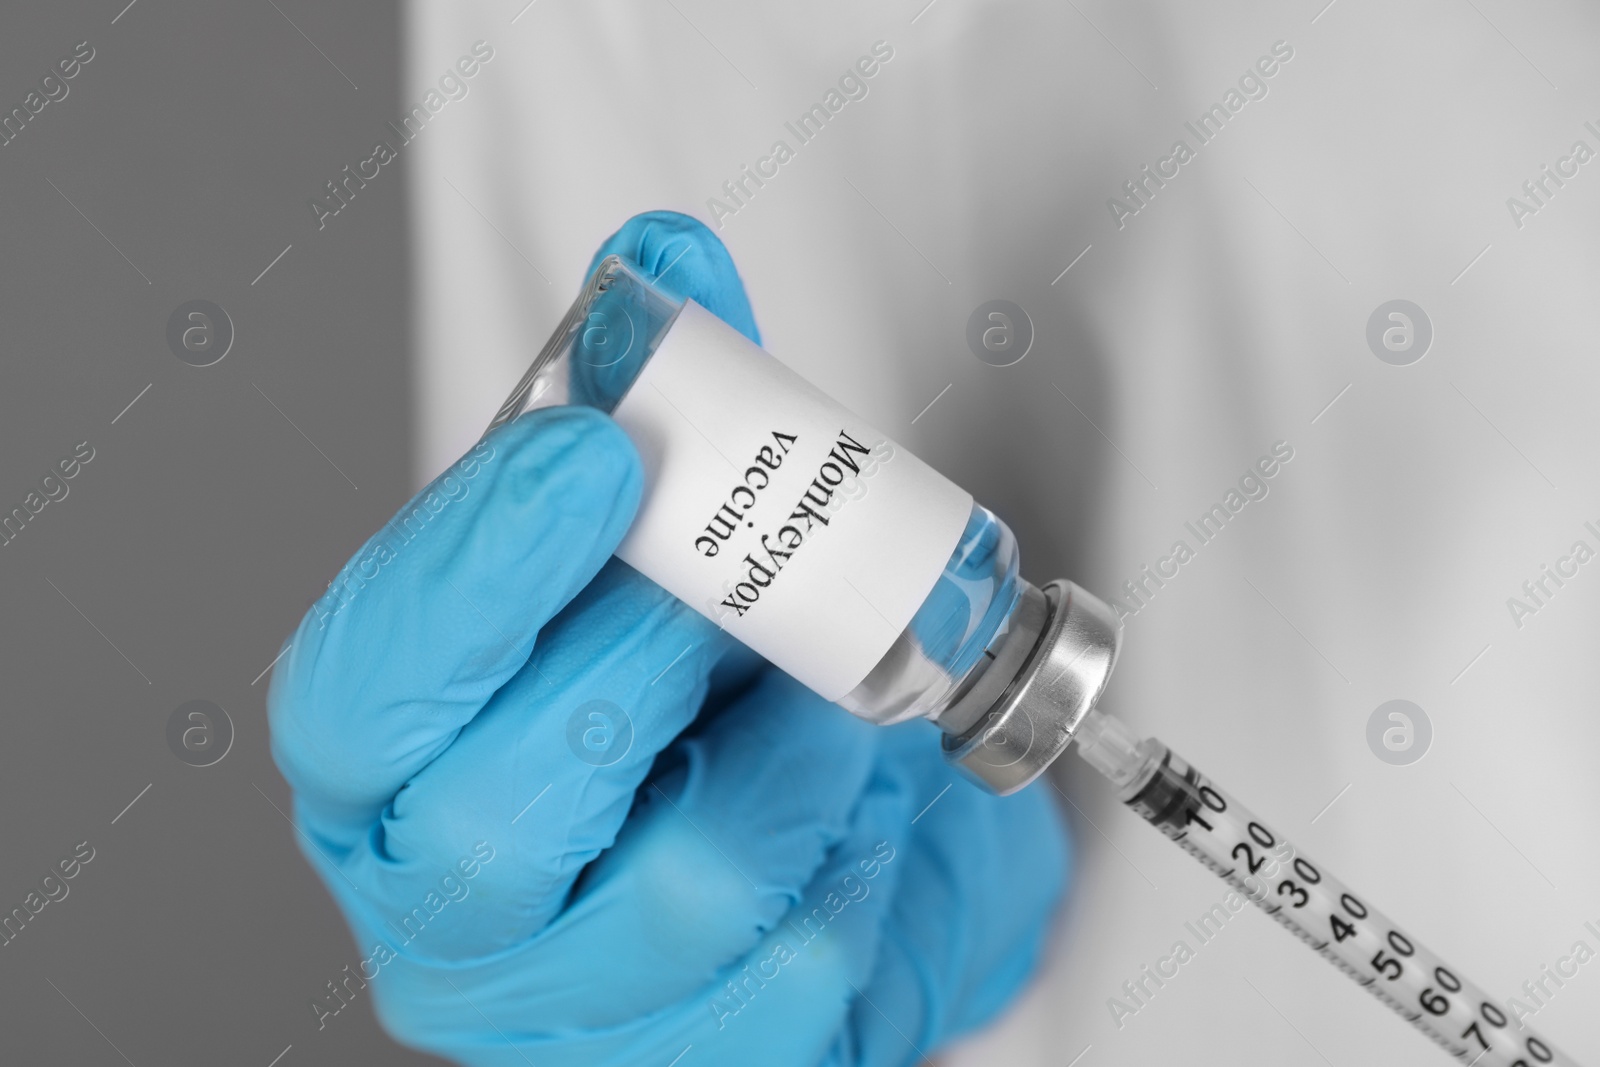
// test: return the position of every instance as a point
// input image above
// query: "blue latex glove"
(571, 822)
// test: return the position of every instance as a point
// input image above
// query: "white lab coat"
(1221, 318)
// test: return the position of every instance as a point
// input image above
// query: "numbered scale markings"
(1322, 911)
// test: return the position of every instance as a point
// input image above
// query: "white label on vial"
(777, 513)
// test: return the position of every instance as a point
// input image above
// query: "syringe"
(1308, 900)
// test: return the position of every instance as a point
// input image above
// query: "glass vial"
(823, 545)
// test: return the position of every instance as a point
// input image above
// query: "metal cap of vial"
(1062, 672)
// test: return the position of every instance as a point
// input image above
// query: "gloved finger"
(785, 1002)
(543, 776)
(440, 608)
(687, 259)
(981, 882)
(721, 845)
(802, 977)
(430, 823)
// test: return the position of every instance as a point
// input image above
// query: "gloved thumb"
(684, 257)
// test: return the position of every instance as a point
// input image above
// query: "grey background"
(206, 522)
(1214, 324)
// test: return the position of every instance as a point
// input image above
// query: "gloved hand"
(571, 822)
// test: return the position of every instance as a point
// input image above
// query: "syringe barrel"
(1307, 899)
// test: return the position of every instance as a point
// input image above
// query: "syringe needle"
(1308, 900)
